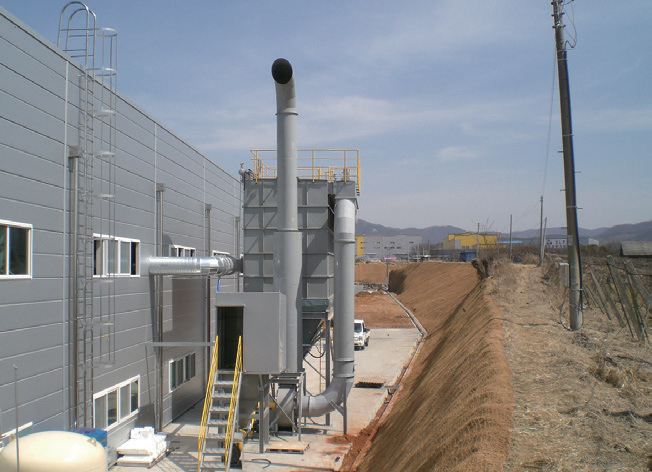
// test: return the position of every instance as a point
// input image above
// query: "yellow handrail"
(234, 393)
(207, 403)
(331, 164)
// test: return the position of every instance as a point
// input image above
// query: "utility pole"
(510, 237)
(574, 263)
(541, 237)
(477, 243)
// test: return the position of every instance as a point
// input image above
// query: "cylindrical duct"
(344, 314)
(287, 239)
(221, 264)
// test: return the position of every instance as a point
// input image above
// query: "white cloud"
(457, 153)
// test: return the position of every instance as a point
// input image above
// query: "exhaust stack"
(288, 259)
(287, 238)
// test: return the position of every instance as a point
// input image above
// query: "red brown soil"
(374, 272)
(378, 310)
(454, 410)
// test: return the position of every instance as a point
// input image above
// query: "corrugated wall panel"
(34, 188)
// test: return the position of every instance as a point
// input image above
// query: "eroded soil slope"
(454, 411)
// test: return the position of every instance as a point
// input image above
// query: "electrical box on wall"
(262, 327)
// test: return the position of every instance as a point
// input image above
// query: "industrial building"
(471, 241)
(88, 181)
(561, 242)
(381, 247)
(125, 251)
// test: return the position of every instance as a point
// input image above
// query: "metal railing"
(316, 164)
(234, 403)
(201, 439)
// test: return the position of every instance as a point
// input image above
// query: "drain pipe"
(344, 314)
(287, 238)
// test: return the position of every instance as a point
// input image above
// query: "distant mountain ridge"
(436, 234)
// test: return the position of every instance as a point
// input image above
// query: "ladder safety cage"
(93, 206)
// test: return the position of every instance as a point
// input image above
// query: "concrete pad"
(323, 446)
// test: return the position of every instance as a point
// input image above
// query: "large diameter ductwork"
(344, 314)
(287, 238)
(221, 264)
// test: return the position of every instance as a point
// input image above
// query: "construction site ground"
(497, 383)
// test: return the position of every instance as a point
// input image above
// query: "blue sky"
(448, 101)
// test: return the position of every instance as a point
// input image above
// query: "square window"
(112, 407)
(100, 412)
(125, 402)
(134, 395)
(3, 249)
(125, 257)
(134, 258)
(18, 251)
(98, 257)
(113, 256)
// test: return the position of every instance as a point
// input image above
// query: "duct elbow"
(282, 71)
(327, 401)
(286, 99)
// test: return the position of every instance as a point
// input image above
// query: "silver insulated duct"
(221, 264)
(344, 314)
(287, 238)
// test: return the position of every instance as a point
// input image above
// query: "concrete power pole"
(477, 244)
(574, 264)
(541, 237)
(510, 237)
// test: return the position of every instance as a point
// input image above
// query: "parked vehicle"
(361, 334)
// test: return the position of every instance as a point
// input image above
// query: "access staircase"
(218, 431)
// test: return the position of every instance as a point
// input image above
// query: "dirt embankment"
(375, 272)
(454, 411)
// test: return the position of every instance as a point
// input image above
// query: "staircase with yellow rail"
(218, 431)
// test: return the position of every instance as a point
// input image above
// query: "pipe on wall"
(344, 314)
(287, 238)
(221, 264)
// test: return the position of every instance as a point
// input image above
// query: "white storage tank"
(55, 451)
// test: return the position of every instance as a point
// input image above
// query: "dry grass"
(582, 399)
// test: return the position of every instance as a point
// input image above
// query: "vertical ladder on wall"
(94, 221)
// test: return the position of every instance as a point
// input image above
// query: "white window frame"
(30, 236)
(182, 362)
(182, 251)
(104, 256)
(215, 252)
(119, 406)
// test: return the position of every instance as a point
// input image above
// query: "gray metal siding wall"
(34, 188)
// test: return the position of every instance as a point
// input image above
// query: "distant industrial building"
(462, 241)
(636, 248)
(561, 242)
(380, 247)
